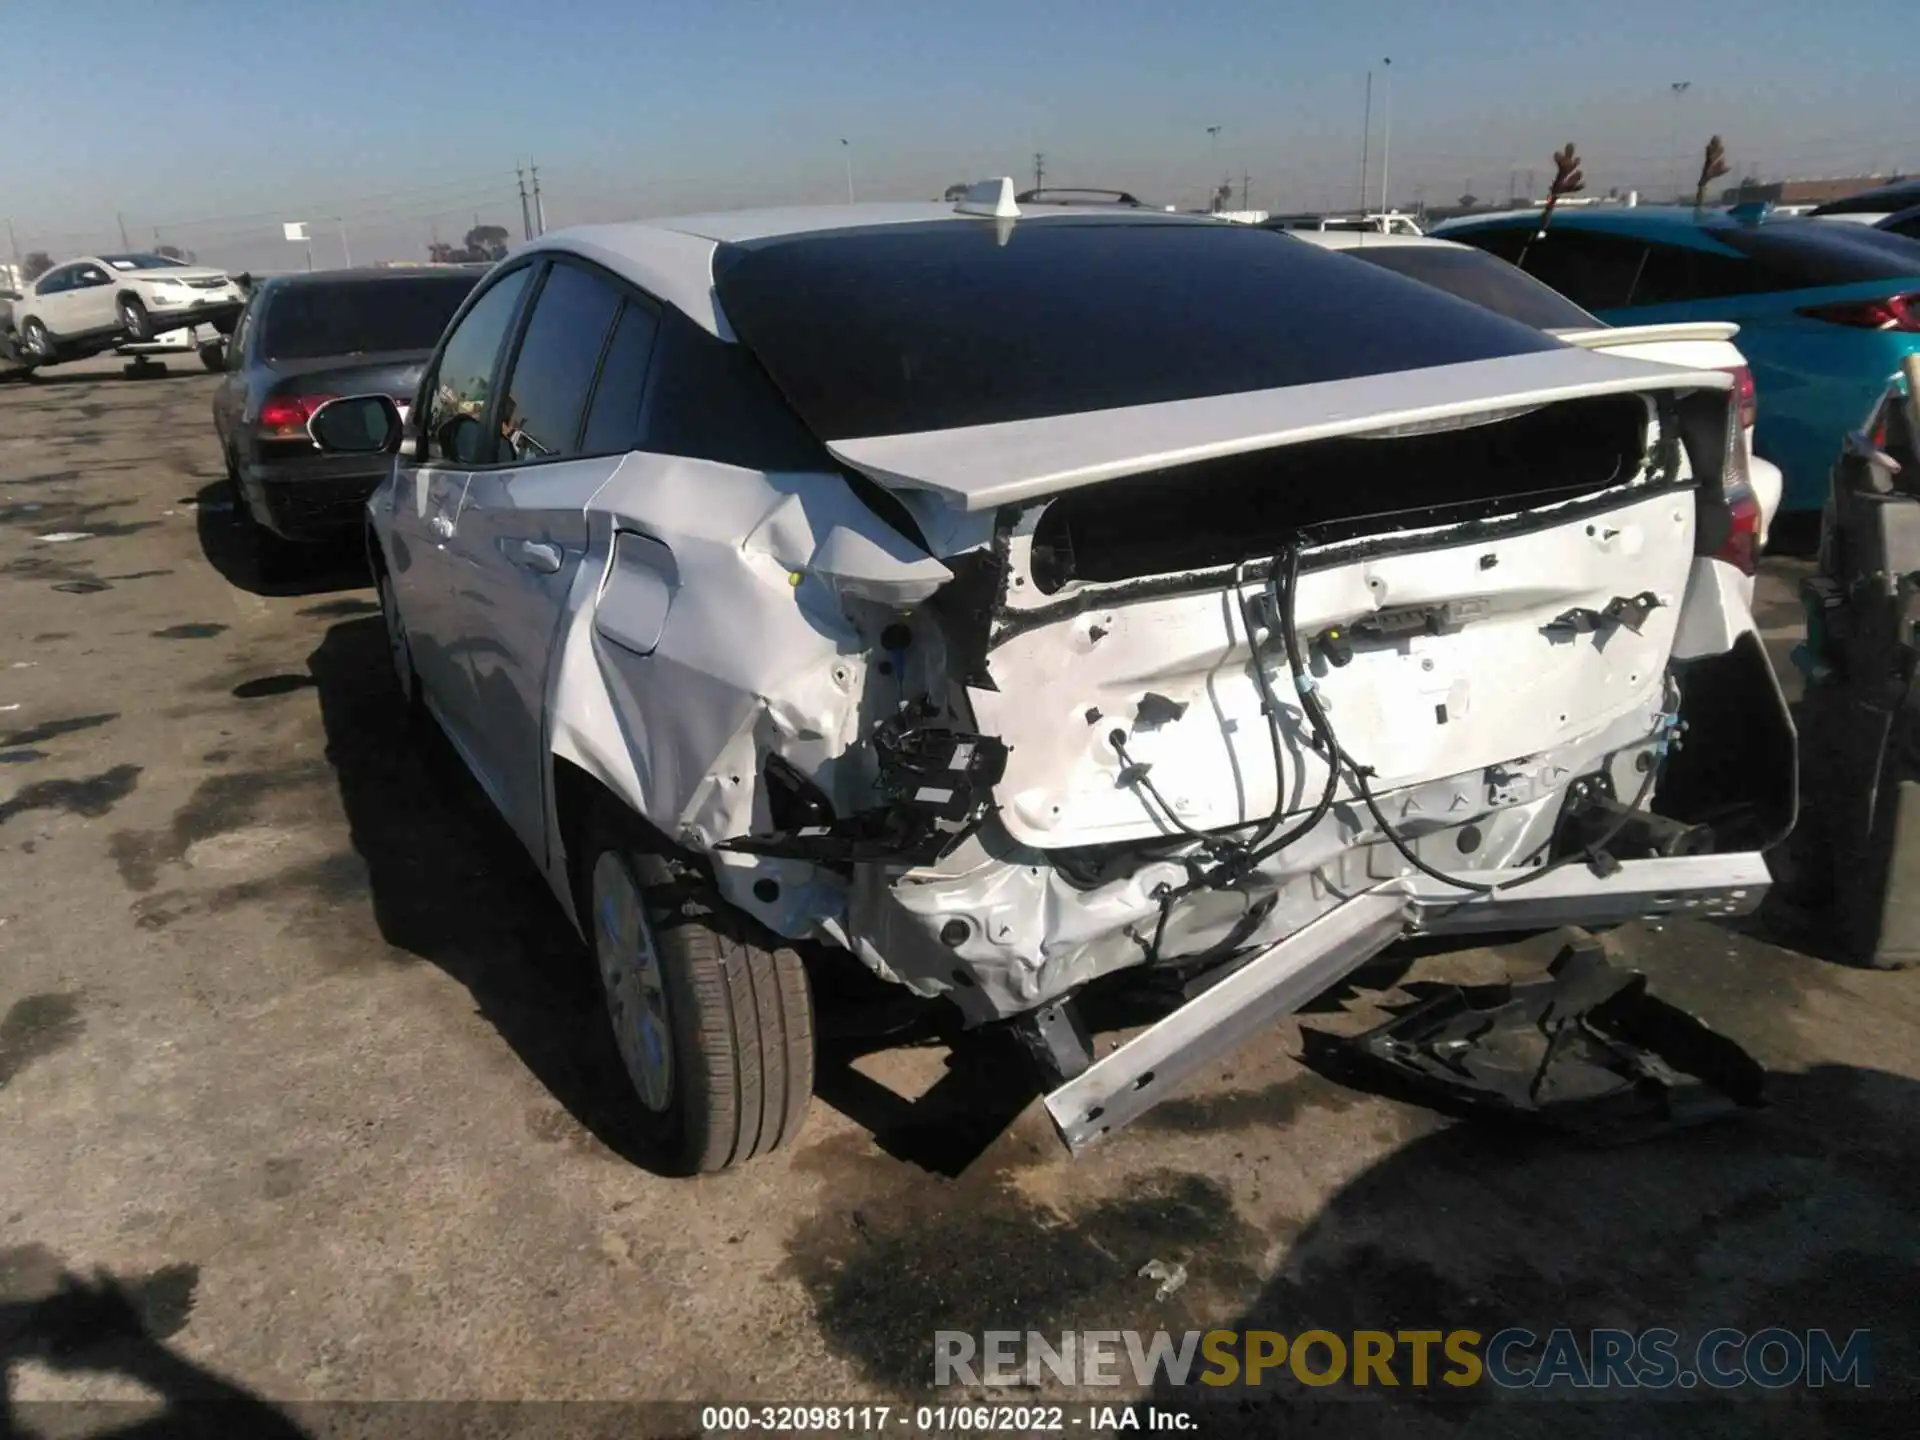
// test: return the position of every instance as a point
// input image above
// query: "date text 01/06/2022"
(940, 1419)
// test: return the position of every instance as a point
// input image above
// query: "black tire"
(36, 340)
(134, 318)
(213, 355)
(738, 1014)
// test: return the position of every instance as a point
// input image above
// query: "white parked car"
(1108, 594)
(1488, 280)
(100, 302)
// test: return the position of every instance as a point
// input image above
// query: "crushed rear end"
(1240, 689)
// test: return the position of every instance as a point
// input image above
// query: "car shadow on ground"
(111, 1325)
(452, 884)
(224, 539)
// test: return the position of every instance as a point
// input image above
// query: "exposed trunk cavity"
(1247, 506)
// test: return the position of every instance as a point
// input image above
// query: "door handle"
(537, 555)
(440, 525)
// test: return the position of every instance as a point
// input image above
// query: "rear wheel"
(714, 1027)
(36, 340)
(134, 318)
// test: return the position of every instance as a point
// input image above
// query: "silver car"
(1021, 603)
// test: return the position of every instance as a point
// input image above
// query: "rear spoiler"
(1606, 337)
(982, 467)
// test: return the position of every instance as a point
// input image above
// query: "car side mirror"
(356, 425)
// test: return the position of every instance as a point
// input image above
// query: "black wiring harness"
(1234, 857)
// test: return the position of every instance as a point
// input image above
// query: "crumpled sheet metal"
(1591, 1052)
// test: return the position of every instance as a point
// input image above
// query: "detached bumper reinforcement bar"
(1124, 1085)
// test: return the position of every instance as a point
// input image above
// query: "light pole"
(1678, 88)
(1386, 135)
(1366, 142)
(846, 151)
(345, 248)
(1213, 160)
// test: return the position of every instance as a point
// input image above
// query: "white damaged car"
(1027, 602)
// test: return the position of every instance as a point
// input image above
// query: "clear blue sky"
(215, 120)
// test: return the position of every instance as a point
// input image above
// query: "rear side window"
(613, 417)
(710, 400)
(916, 327)
(1482, 278)
(1676, 273)
(540, 415)
(312, 319)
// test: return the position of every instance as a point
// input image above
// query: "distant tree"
(1468, 202)
(489, 242)
(174, 252)
(37, 263)
(441, 253)
(1223, 197)
(955, 194)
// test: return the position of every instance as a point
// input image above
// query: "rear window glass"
(1481, 278)
(905, 328)
(1798, 254)
(308, 321)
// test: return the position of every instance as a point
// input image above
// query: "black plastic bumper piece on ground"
(1589, 1052)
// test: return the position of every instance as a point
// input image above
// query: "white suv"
(98, 302)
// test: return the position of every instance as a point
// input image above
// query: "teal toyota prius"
(1827, 310)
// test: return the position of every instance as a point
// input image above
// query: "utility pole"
(13, 242)
(1244, 182)
(846, 154)
(526, 216)
(1386, 135)
(539, 208)
(1039, 169)
(345, 248)
(125, 244)
(1529, 186)
(1366, 142)
(1677, 89)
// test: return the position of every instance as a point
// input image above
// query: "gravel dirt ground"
(295, 1047)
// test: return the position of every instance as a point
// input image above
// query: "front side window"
(546, 396)
(90, 275)
(1596, 271)
(457, 403)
